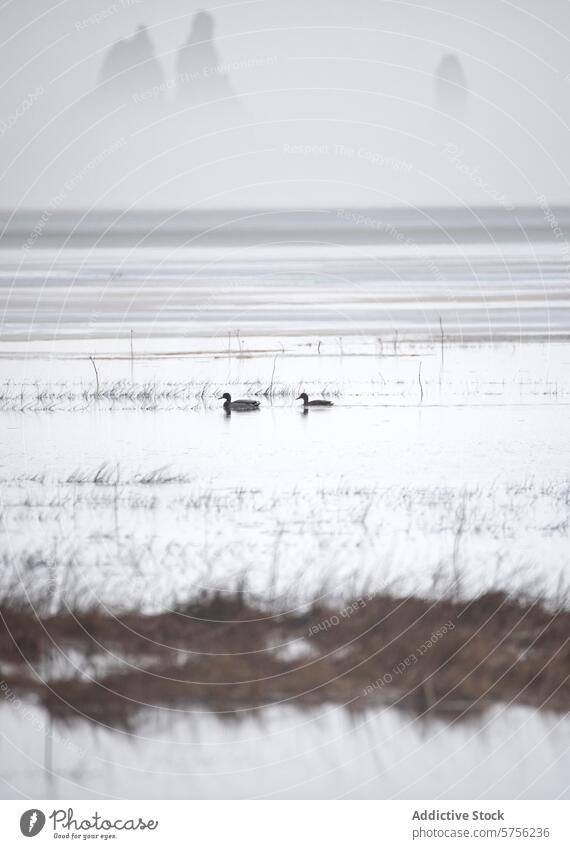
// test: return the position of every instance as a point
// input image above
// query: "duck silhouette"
(240, 406)
(318, 402)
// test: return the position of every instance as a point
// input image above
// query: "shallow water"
(502, 290)
(397, 485)
(285, 753)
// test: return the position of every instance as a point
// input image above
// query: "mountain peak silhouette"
(200, 74)
(131, 66)
(451, 90)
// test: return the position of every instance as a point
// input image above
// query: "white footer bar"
(286, 824)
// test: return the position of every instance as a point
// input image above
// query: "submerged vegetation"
(151, 395)
(153, 536)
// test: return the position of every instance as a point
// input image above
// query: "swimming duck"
(317, 403)
(240, 406)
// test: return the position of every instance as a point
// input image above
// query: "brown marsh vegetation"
(229, 654)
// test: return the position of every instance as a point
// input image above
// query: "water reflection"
(284, 753)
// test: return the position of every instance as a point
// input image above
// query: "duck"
(239, 406)
(318, 402)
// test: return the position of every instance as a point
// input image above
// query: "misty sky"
(267, 103)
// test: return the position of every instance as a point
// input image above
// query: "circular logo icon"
(32, 822)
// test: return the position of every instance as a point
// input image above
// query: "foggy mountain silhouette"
(130, 67)
(200, 74)
(145, 129)
(450, 87)
(132, 74)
